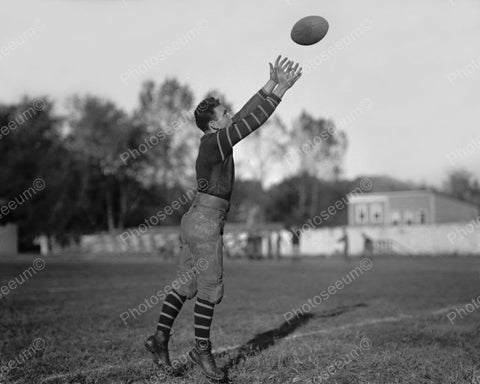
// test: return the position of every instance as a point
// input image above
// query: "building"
(408, 208)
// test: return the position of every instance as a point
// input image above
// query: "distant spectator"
(295, 240)
(279, 244)
(367, 245)
(42, 242)
(345, 241)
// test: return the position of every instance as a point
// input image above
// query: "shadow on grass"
(265, 340)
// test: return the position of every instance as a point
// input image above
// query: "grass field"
(388, 324)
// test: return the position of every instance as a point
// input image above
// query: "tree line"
(103, 169)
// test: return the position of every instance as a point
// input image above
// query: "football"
(309, 30)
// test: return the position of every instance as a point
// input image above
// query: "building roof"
(372, 195)
(383, 195)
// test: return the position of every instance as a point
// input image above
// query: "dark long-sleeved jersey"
(215, 167)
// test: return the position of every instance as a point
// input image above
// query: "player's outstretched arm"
(261, 95)
(228, 137)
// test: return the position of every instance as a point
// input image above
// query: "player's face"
(224, 117)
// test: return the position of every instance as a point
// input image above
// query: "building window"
(361, 214)
(395, 217)
(408, 217)
(376, 213)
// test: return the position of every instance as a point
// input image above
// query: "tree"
(283, 204)
(268, 145)
(164, 111)
(101, 132)
(38, 173)
(316, 150)
(461, 184)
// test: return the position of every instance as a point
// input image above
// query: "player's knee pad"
(211, 289)
(191, 293)
(188, 289)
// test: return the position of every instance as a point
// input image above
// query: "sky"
(401, 78)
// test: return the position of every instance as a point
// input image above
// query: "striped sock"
(203, 314)
(171, 308)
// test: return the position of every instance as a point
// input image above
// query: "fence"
(268, 240)
(8, 239)
(435, 239)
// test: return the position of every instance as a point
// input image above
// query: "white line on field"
(389, 319)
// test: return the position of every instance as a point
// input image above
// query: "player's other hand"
(279, 63)
(288, 74)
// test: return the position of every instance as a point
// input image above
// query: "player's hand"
(294, 73)
(288, 74)
(282, 64)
